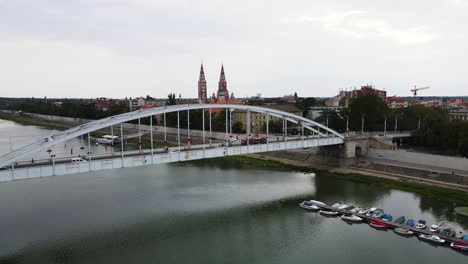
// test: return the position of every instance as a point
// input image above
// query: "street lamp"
(362, 123)
(385, 125)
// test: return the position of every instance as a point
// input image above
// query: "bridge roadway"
(393, 224)
(64, 166)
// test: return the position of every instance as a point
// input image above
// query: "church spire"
(202, 85)
(223, 94)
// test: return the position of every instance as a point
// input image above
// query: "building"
(316, 111)
(257, 120)
(397, 102)
(344, 96)
(202, 96)
(135, 104)
(460, 114)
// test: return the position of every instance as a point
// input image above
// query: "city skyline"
(120, 49)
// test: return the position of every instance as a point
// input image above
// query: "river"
(212, 211)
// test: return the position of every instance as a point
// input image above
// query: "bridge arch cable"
(95, 125)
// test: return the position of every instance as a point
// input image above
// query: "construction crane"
(415, 90)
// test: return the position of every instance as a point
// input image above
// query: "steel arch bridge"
(320, 136)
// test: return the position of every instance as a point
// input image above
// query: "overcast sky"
(94, 48)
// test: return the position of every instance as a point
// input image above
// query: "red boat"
(379, 224)
(463, 246)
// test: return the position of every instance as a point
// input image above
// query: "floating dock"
(392, 224)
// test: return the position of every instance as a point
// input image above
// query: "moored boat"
(308, 205)
(431, 238)
(400, 220)
(434, 228)
(463, 246)
(379, 224)
(370, 211)
(341, 207)
(387, 217)
(409, 223)
(352, 218)
(317, 202)
(403, 231)
(326, 212)
(421, 224)
(335, 205)
(379, 213)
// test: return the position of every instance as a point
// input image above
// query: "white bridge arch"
(321, 135)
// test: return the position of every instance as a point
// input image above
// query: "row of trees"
(372, 110)
(430, 126)
(68, 108)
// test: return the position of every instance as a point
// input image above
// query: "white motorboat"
(335, 205)
(341, 207)
(421, 224)
(403, 231)
(352, 218)
(355, 210)
(432, 238)
(317, 202)
(370, 211)
(309, 206)
(434, 228)
(363, 211)
(325, 212)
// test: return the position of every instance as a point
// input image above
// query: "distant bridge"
(15, 165)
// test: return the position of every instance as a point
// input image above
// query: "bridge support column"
(122, 144)
(139, 134)
(188, 129)
(112, 142)
(203, 129)
(151, 135)
(210, 126)
(178, 133)
(227, 137)
(268, 130)
(302, 134)
(12, 171)
(89, 153)
(248, 131)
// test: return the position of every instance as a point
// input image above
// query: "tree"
(171, 100)
(369, 107)
(237, 127)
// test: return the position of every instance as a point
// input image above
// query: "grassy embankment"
(444, 194)
(26, 120)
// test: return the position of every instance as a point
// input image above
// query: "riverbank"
(448, 194)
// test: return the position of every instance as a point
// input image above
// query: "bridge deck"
(137, 158)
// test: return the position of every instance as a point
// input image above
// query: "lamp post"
(396, 122)
(385, 125)
(362, 123)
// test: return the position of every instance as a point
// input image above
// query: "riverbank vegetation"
(444, 194)
(26, 120)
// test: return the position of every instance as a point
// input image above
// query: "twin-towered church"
(222, 96)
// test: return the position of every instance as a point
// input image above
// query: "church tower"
(202, 85)
(223, 94)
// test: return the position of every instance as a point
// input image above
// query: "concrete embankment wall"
(420, 158)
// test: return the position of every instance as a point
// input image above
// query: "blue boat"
(409, 223)
(387, 217)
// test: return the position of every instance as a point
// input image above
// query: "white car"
(77, 160)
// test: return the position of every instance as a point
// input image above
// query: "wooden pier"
(392, 224)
